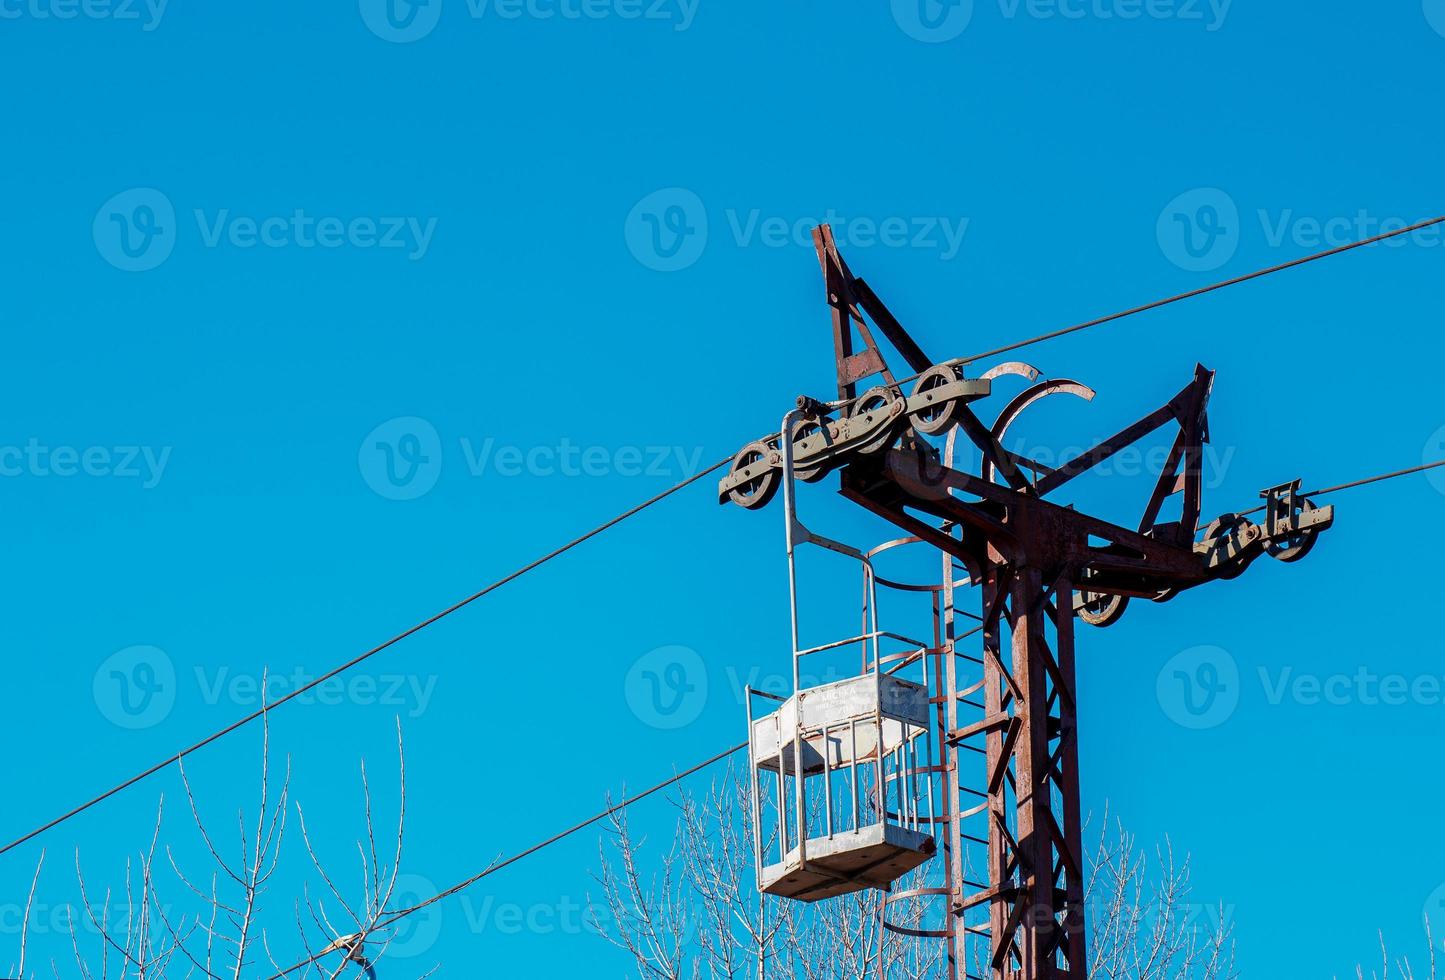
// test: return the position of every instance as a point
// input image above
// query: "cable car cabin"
(849, 817)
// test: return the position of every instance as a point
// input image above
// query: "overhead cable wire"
(1367, 481)
(492, 869)
(1258, 274)
(410, 631)
(716, 466)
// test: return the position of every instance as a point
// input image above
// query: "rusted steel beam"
(1076, 947)
(1104, 450)
(1038, 566)
(930, 482)
(922, 529)
(1001, 845)
(1002, 460)
(1167, 485)
(1183, 407)
(994, 722)
(840, 301)
(1031, 761)
(892, 329)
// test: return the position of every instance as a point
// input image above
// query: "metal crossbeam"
(1038, 566)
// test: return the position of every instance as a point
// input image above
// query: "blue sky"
(318, 317)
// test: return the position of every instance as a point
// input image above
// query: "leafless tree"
(652, 917)
(216, 931)
(844, 939)
(699, 914)
(1144, 923)
(1403, 970)
(17, 969)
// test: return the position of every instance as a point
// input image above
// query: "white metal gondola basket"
(849, 817)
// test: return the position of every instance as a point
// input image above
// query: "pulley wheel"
(936, 419)
(809, 436)
(875, 403)
(1219, 529)
(1297, 545)
(1098, 609)
(754, 462)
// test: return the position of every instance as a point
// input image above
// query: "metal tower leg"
(1028, 554)
(1035, 853)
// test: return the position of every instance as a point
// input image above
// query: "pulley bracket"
(870, 423)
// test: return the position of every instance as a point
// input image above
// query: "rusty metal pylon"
(1005, 721)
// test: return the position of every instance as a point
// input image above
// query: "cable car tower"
(963, 744)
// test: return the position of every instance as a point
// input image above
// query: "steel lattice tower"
(1003, 808)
